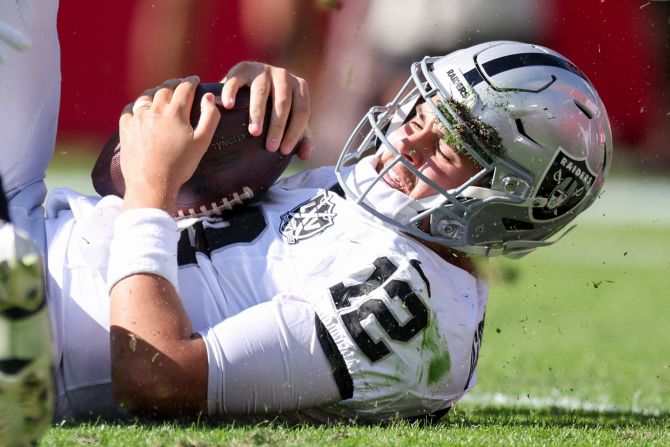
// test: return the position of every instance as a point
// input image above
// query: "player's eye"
(427, 116)
(416, 123)
(443, 149)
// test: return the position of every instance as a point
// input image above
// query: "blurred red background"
(98, 68)
(621, 45)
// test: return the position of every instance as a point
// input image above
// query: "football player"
(347, 293)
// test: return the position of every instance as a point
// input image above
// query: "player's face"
(421, 142)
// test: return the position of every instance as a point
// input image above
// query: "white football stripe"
(556, 400)
(631, 201)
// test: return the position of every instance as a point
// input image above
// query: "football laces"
(225, 204)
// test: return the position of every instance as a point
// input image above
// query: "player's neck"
(457, 258)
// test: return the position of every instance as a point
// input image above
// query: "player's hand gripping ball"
(235, 168)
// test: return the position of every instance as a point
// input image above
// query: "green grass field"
(575, 350)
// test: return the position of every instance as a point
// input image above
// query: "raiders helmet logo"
(307, 219)
(564, 185)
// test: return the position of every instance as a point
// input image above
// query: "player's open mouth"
(396, 181)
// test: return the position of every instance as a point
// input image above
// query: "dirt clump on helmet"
(468, 129)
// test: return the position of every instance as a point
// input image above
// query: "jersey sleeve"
(268, 359)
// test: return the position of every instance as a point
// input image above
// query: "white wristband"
(145, 241)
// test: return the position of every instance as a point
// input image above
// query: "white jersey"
(400, 326)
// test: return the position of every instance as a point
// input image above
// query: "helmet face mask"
(527, 116)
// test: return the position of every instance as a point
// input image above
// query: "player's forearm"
(148, 307)
(161, 197)
(156, 362)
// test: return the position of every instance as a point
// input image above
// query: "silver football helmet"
(554, 154)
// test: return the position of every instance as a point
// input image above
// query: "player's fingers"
(148, 97)
(143, 102)
(282, 101)
(258, 98)
(126, 115)
(182, 98)
(209, 119)
(237, 77)
(128, 108)
(164, 93)
(297, 125)
(171, 83)
(306, 145)
(161, 98)
(229, 91)
(145, 99)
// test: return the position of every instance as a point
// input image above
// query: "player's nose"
(417, 146)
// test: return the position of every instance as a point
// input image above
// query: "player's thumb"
(209, 119)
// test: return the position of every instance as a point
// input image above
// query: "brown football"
(235, 169)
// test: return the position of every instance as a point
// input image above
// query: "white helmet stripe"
(512, 61)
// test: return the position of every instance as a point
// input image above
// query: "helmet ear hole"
(522, 130)
(516, 225)
(487, 180)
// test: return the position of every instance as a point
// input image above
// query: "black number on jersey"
(395, 290)
(244, 225)
(474, 354)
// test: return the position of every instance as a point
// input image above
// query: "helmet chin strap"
(429, 202)
(386, 200)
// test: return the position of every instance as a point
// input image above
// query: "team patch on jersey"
(307, 219)
(564, 186)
